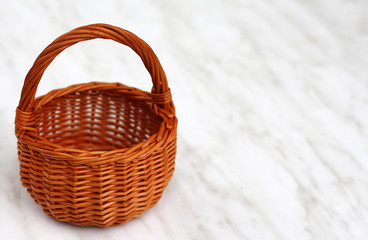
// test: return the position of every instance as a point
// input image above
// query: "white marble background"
(272, 99)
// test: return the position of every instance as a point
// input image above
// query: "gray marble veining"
(272, 101)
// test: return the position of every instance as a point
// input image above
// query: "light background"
(272, 101)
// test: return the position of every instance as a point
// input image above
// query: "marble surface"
(272, 101)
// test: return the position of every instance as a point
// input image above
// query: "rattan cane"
(96, 154)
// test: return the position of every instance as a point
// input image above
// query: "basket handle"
(160, 90)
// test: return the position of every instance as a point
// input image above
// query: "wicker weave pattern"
(96, 154)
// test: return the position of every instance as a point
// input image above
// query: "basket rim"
(34, 139)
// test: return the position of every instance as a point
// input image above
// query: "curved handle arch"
(160, 90)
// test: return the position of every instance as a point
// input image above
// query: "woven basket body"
(96, 154)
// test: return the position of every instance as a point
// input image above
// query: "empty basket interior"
(96, 120)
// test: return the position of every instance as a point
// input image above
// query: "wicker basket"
(96, 154)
